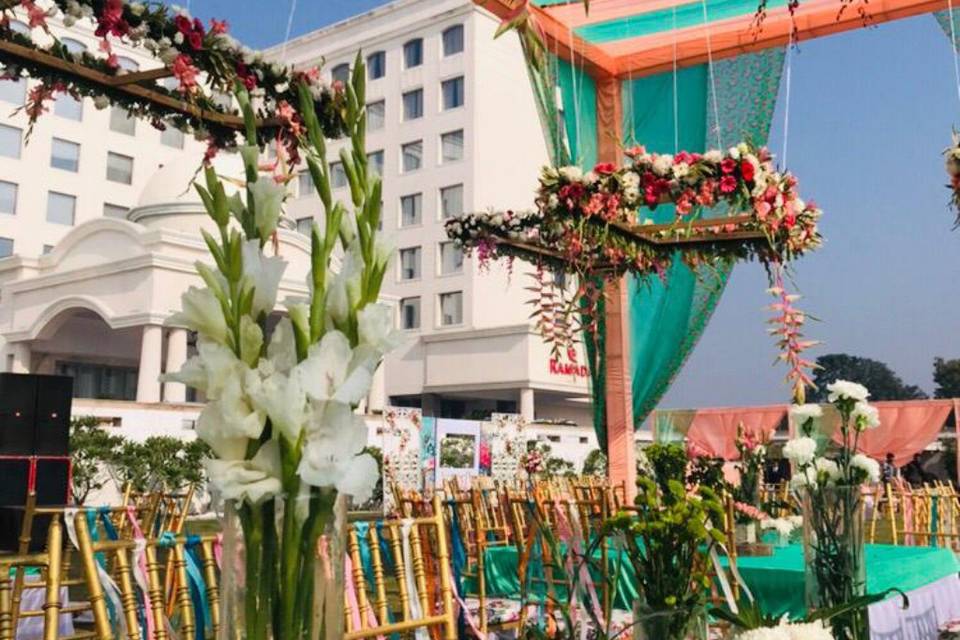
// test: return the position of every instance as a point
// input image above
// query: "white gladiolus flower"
(865, 416)
(202, 313)
(376, 327)
(713, 155)
(800, 451)
(209, 370)
(251, 480)
(846, 390)
(282, 350)
(343, 287)
(869, 467)
(268, 198)
(662, 164)
(803, 412)
(213, 429)
(281, 398)
(326, 373)
(336, 437)
(264, 274)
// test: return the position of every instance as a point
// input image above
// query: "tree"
(595, 464)
(160, 463)
(876, 376)
(946, 373)
(94, 450)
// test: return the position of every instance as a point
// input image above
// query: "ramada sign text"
(569, 368)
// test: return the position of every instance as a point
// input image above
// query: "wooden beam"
(41, 58)
(141, 76)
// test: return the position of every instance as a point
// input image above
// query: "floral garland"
(586, 223)
(203, 59)
(952, 161)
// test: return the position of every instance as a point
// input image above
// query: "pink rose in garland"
(111, 20)
(184, 71)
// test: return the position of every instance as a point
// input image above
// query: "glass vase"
(833, 549)
(668, 624)
(279, 581)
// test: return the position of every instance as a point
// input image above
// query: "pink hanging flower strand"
(787, 328)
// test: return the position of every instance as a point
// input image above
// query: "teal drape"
(669, 313)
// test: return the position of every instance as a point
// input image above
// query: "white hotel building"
(98, 229)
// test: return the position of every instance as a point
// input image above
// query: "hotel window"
(451, 146)
(74, 47)
(305, 184)
(9, 141)
(376, 115)
(128, 64)
(451, 259)
(451, 201)
(61, 208)
(453, 40)
(101, 382)
(413, 104)
(338, 175)
(410, 313)
(412, 153)
(452, 91)
(122, 122)
(8, 197)
(6, 247)
(413, 53)
(66, 106)
(65, 155)
(115, 211)
(376, 65)
(375, 162)
(341, 72)
(451, 308)
(13, 91)
(172, 137)
(410, 260)
(305, 225)
(119, 168)
(410, 210)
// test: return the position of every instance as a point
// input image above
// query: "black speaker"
(49, 478)
(18, 405)
(35, 414)
(52, 416)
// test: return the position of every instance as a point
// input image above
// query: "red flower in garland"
(218, 26)
(635, 151)
(247, 77)
(605, 168)
(184, 71)
(747, 170)
(728, 184)
(192, 31)
(728, 165)
(111, 20)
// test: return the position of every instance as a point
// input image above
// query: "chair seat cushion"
(498, 610)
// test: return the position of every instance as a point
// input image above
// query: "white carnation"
(801, 413)
(571, 173)
(846, 390)
(714, 156)
(662, 164)
(800, 451)
(865, 416)
(869, 467)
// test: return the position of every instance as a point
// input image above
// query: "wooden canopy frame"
(651, 54)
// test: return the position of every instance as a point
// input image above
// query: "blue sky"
(870, 112)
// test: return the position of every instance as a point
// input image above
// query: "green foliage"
(708, 472)
(160, 463)
(669, 462)
(668, 543)
(946, 374)
(553, 466)
(883, 383)
(92, 450)
(595, 464)
(456, 452)
(751, 615)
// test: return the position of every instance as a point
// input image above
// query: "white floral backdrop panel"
(502, 446)
(458, 450)
(408, 452)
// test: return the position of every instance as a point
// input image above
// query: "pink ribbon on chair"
(570, 533)
(140, 575)
(218, 550)
(352, 601)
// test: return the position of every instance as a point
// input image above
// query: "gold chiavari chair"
(50, 562)
(427, 538)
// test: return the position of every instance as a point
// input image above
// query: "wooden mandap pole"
(621, 454)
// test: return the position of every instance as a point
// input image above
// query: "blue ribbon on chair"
(195, 581)
(459, 558)
(366, 560)
(111, 592)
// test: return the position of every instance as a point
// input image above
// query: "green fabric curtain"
(669, 314)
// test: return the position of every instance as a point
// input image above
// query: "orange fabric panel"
(621, 453)
(713, 432)
(609, 120)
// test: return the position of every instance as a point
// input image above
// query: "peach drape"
(713, 432)
(905, 428)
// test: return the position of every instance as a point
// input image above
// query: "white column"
(176, 357)
(148, 377)
(527, 411)
(21, 357)
(377, 398)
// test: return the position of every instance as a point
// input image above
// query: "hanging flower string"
(952, 161)
(205, 60)
(787, 328)
(587, 223)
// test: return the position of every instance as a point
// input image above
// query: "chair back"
(50, 564)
